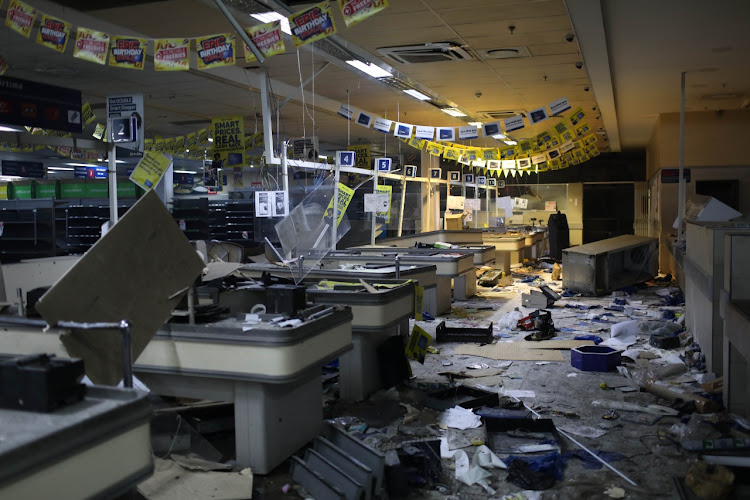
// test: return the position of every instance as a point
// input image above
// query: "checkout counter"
(484, 255)
(270, 373)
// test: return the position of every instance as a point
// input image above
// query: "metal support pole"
(191, 305)
(374, 214)
(112, 177)
(681, 199)
(285, 174)
(266, 109)
(487, 193)
(335, 223)
(476, 197)
(127, 355)
(403, 202)
(397, 264)
(240, 31)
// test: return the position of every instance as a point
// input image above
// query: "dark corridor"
(607, 211)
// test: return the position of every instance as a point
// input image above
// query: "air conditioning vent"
(502, 114)
(506, 53)
(427, 53)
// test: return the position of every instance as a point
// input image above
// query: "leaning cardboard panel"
(137, 272)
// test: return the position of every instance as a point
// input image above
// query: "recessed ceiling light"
(267, 17)
(417, 94)
(476, 124)
(4, 128)
(370, 69)
(510, 143)
(453, 112)
(499, 136)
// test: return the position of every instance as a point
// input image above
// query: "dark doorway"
(607, 211)
(727, 192)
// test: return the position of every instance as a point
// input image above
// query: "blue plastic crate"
(594, 358)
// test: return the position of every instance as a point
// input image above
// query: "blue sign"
(384, 164)
(482, 180)
(455, 176)
(184, 178)
(92, 172)
(80, 172)
(469, 178)
(346, 158)
(435, 173)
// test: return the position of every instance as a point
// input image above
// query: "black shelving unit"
(79, 222)
(217, 220)
(28, 229)
(192, 215)
(240, 221)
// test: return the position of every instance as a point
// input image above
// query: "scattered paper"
(460, 418)
(583, 431)
(623, 334)
(472, 473)
(542, 363)
(571, 375)
(614, 492)
(518, 393)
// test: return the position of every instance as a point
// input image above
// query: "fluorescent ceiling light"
(476, 124)
(210, 139)
(510, 143)
(184, 172)
(452, 112)
(417, 94)
(370, 69)
(268, 17)
(60, 168)
(82, 165)
(3, 128)
(499, 137)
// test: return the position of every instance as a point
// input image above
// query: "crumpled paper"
(473, 473)
(460, 418)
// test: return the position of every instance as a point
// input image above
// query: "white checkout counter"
(425, 276)
(376, 317)
(456, 268)
(99, 447)
(271, 374)
(455, 237)
(483, 254)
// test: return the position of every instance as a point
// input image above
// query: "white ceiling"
(637, 77)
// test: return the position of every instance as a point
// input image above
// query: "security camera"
(570, 37)
(579, 65)
(586, 88)
(478, 94)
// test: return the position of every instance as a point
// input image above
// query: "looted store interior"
(363, 249)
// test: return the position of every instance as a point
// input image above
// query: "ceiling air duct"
(427, 53)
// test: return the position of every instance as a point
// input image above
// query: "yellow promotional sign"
(128, 52)
(561, 128)
(416, 348)
(192, 140)
(583, 129)
(20, 17)
(312, 24)
(229, 141)
(524, 147)
(99, 131)
(490, 154)
(383, 189)
(576, 116)
(91, 45)
(150, 169)
(203, 136)
(345, 197)
(362, 155)
(172, 54)
(589, 139)
(268, 38)
(53, 33)
(169, 144)
(434, 148)
(215, 51)
(87, 114)
(158, 144)
(355, 11)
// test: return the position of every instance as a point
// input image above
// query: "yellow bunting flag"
(268, 39)
(215, 51)
(355, 11)
(172, 54)
(53, 33)
(127, 52)
(434, 148)
(312, 24)
(91, 45)
(20, 17)
(87, 114)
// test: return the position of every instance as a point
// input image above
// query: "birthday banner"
(173, 54)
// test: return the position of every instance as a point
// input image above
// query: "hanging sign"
(312, 24)
(362, 155)
(490, 129)
(383, 164)
(130, 108)
(87, 114)
(467, 132)
(91, 45)
(53, 33)
(229, 145)
(23, 169)
(172, 54)
(382, 125)
(434, 148)
(403, 130)
(446, 134)
(268, 39)
(20, 17)
(364, 119)
(215, 51)
(424, 132)
(345, 197)
(559, 106)
(386, 191)
(355, 11)
(345, 111)
(538, 115)
(150, 170)
(513, 123)
(128, 52)
(33, 104)
(305, 148)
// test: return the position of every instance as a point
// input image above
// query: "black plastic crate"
(465, 397)
(455, 334)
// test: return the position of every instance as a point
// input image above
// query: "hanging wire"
(348, 122)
